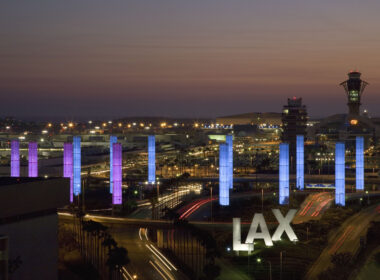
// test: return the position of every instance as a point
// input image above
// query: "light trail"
(167, 273)
(163, 257)
(159, 271)
(150, 249)
(341, 240)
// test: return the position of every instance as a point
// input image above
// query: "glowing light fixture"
(284, 174)
(113, 139)
(117, 174)
(224, 188)
(151, 159)
(359, 163)
(300, 162)
(77, 165)
(33, 159)
(229, 141)
(15, 158)
(68, 166)
(339, 174)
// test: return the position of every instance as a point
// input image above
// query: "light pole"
(270, 267)
(211, 202)
(281, 264)
(262, 200)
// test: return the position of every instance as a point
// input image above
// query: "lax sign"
(258, 220)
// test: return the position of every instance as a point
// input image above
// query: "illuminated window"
(354, 122)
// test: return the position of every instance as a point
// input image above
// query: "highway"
(345, 239)
(313, 207)
(147, 261)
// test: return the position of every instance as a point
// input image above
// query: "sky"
(83, 59)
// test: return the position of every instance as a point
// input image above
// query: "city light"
(359, 163)
(15, 158)
(151, 159)
(33, 159)
(113, 139)
(117, 174)
(339, 174)
(284, 174)
(300, 162)
(224, 171)
(77, 165)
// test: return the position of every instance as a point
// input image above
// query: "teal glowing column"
(284, 174)
(113, 139)
(339, 174)
(15, 158)
(151, 159)
(300, 162)
(77, 165)
(117, 195)
(224, 181)
(33, 159)
(68, 166)
(359, 163)
(229, 141)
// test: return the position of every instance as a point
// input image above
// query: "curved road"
(345, 239)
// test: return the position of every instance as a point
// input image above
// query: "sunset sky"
(200, 58)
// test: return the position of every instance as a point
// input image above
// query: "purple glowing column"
(117, 174)
(15, 158)
(68, 165)
(33, 159)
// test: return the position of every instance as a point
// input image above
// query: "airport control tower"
(354, 88)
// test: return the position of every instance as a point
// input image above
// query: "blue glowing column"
(224, 181)
(15, 158)
(68, 166)
(33, 159)
(77, 165)
(113, 139)
(339, 174)
(229, 141)
(151, 159)
(359, 163)
(117, 174)
(284, 173)
(300, 162)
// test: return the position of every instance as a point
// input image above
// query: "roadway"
(147, 261)
(345, 239)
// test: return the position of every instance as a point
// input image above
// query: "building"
(354, 88)
(345, 127)
(259, 119)
(29, 226)
(294, 120)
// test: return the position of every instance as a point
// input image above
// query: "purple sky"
(200, 58)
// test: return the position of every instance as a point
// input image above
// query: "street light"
(259, 260)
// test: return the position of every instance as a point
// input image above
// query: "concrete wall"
(35, 241)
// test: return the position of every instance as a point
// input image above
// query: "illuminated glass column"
(33, 159)
(113, 139)
(339, 174)
(15, 158)
(68, 165)
(151, 159)
(300, 162)
(229, 141)
(117, 174)
(359, 163)
(224, 181)
(284, 173)
(77, 165)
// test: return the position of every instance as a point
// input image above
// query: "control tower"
(354, 88)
